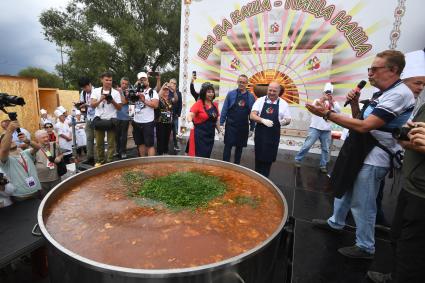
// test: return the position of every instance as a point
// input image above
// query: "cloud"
(23, 43)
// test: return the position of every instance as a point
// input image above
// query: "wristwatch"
(328, 113)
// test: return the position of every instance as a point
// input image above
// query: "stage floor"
(308, 254)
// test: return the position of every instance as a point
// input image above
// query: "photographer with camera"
(17, 137)
(176, 97)
(6, 191)
(144, 116)
(123, 120)
(46, 160)
(369, 151)
(20, 168)
(106, 102)
(89, 113)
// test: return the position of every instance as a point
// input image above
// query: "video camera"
(133, 91)
(7, 100)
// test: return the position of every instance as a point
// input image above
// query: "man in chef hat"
(44, 118)
(320, 129)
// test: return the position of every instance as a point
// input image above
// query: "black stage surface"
(307, 254)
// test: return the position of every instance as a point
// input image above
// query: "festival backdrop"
(302, 44)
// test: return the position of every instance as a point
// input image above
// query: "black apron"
(267, 139)
(205, 132)
(237, 122)
(353, 152)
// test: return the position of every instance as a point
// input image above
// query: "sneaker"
(123, 156)
(177, 148)
(98, 164)
(323, 224)
(355, 252)
(297, 164)
(323, 170)
(378, 277)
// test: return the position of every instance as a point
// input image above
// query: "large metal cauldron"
(253, 266)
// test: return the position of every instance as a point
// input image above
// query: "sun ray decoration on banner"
(292, 47)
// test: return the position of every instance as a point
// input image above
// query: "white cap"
(62, 109)
(77, 112)
(415, 64)
(142, 75)
(58, 113)
(328, 88)
(43, 111)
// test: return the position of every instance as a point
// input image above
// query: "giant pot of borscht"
(163, 219)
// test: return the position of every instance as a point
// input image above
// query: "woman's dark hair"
(203, 92)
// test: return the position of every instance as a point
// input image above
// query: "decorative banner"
(302, 44)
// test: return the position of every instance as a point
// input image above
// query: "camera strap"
(23, 163)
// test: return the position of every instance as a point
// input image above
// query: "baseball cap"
(142, 75)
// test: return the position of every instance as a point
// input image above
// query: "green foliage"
(45, 79)
(183, 190)
(143, 33)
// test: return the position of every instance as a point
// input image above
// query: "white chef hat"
(77, 112)
(329, 88)
(62, 109)
(43, 111)
(58, 113)
(415, 64)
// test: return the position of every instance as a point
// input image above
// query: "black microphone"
(356, 90)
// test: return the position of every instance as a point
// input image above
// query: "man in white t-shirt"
(320, 130)
(106, 101)
(144, 117)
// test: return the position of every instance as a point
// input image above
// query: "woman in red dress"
(203, 120)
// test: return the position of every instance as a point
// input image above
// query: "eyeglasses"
(48, 127)
(374, 69)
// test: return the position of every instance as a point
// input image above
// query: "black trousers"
(175, 129)
(408, 238)
(163, 132)
(263, 167)
(121, 133)
(228, 151)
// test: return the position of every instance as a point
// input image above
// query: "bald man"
(270, 112)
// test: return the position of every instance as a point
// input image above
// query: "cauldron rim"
(160, 273)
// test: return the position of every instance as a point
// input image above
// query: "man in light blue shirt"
(20, 168)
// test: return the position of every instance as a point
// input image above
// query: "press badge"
(50, 165)
(30, 182)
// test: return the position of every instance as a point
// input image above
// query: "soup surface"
(98, 220)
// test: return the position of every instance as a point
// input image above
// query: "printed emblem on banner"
(242, 103)
(269, 110)
(313, 63)
(274, 28)
(235, 64)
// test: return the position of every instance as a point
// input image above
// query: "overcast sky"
(22, 42)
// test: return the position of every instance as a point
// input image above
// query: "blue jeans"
(313, 136)
(362, 202)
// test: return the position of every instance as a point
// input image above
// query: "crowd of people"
(371, 150)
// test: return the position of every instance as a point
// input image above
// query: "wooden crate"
(67, 97)
(49, 99)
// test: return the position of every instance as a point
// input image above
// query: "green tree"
(45, 79)
(143, 33)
